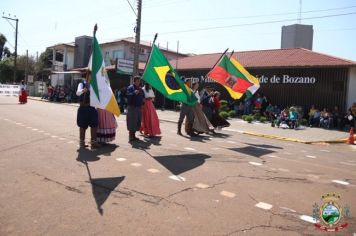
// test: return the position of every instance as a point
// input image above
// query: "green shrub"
(232, 113)
(224, 108)
(224, 114)
(257, 116)
(249, 119)
(243, 117)
(304, 122)
(263, 119)
(223, 102)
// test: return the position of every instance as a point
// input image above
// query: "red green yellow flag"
(228, 75)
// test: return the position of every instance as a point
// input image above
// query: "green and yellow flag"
(161, 76)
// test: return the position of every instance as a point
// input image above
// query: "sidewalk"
(304, 135)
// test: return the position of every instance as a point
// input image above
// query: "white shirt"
(149, 94)
(196, 93)
(80, 89)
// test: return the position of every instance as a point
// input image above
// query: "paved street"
(227, 184)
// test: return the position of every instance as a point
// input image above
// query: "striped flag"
(101, 95)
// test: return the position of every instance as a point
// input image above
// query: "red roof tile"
(294, 57)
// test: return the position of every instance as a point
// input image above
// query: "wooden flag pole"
(148, 59)
(232, 53)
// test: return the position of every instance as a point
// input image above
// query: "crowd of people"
(60, 94)
(291, 117)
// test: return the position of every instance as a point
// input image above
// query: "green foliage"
(6, 70)
(243, 117)
(257, 116)
(223, 102)
(263, 119)
(224, 114)
(232, 113)
(249, 119)
(304, 122)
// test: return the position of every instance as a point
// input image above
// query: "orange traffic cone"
(351, 137)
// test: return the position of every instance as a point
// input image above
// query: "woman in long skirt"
(150, 123)
(201, 123)
(22, 93)
(217, 120)
(107, 125)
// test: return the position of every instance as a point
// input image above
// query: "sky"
(200, 26)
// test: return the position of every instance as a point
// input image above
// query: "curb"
(243, 132)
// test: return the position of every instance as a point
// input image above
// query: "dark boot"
(179, 132)
(94, 141)
(82, 138)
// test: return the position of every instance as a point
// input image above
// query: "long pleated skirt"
(150, 121)
(201, 122)
(106, 126)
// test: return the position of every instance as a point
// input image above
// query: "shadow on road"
(264, 146)
(101, 187)
(252, 151)
(87, 155)
(178, 164)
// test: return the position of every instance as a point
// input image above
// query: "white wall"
(70, 60)
(351, 88)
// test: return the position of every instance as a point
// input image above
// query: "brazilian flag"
(161, 76)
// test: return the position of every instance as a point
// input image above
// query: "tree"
(2, 44)
(6, 70)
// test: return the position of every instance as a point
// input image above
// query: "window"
(118, 54)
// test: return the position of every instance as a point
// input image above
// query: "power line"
(255, 23)
(132, 7)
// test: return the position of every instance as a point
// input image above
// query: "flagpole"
(232, 53)
(88, 71)
(148, 59)
(217, 62)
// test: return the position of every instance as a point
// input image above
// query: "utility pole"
(26, 70)
(137, 39)
(16, 32)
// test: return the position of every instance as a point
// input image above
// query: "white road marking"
(227, 194)
(303, 151)
(313, 157)
(273, 169)
(18, 123)
(229, 141)
(54, 136)
(308, 219)
(153, 170)
(282, 169)
(203, 186)
(135, 164)
(62, 139)
(5, 119)
(215, 148)
(264, 205)
(349, 164)
(189, 149)
(46, 133)
(340, 182)
(34, 129)
(29, 127)
(273, 156)
(323, 150)
(121, 159)
(287, 153)
(177, 178)
(255, 163)
(40, 131)
(288, 209)
(70, 142)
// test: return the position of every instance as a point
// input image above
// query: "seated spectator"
(269, 112)
(283, 117)
(337, 118)
(315, 118)
(325, 119)
(293, 118)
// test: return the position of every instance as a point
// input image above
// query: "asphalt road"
(226, 184)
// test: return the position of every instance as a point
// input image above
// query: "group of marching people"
(142, 117)
(204, 116)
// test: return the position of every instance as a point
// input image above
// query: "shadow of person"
(140, 144)
(87, 155)
(154, 140)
